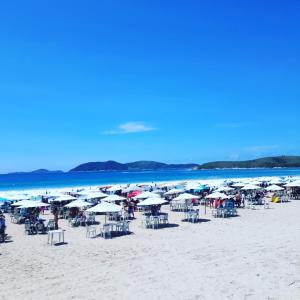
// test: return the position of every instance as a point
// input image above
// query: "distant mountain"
(39, 171)
(137, 165)
(266, 162)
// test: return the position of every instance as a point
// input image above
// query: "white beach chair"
(90, 231)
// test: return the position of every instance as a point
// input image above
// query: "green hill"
(266, 162)
(138, 165)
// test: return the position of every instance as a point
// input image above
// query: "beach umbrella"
(133, 194)
(174, 192)
(21, 202)
(225, 189)
(293, 184)
(132, 188)
(114, 198)
(251, 187)
(95, 195)
(114, 188)
(32, 204)
(238, 185)
(17, 197)
(145, 195)
(37, 193)
(64, 198)
(217, 195)
(185, 196)
(78, 203)
(105, 207)
(274, 188)
(152, 201)
(276, 181)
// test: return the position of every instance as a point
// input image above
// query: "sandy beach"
(252, 256)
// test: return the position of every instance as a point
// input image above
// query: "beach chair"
(154, 222)
(145, 221)
(164, 219)
(40, 228)
(195, 216)
(50, 225)
(28, 227)
(126, 227)
(90, 231)
(105, 231)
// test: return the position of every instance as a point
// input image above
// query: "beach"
(252, 256)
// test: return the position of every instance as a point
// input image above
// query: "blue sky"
(173, 81)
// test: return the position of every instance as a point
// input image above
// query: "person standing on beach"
(55, 214)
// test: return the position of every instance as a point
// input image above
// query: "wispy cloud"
(130, 127)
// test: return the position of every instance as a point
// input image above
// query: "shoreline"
(215, 181)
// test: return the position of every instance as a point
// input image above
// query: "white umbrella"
(17, 197)
(186, 196)
(152, 201)
(225, 189)
(238, 184)
(174, 192)
(251, 187)
(114, 188)
(145, 195)
(276, 181)
(105, 207)
(22, 202)
(78, 203)
(274, 188)
(114, 198)
(32, 204)
(65, 198)
(96, 195)
(217, 195)
(293, 184)
(132, 188)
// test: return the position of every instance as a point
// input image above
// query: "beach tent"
(114, 188)
(293, 184)
(114, 198)
(105, 207)
(185, 196)
(78, 203)
(152, 201)
(274, 188)
(239, 185)
(133, 194)
(251, 187)
(22, 202)
(174, 192)
(225, 189)
(132, 188)
(32, 204)
(64, 198)
(145, 195)
(17, 197)
(217, 195)
(95, 195)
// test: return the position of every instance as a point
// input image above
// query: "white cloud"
(130, 127)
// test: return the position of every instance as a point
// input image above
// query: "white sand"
(254, 256)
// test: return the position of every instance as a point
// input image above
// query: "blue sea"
(56, 180)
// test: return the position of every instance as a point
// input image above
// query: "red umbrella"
(133, 194)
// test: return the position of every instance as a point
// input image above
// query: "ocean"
(58, 180)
